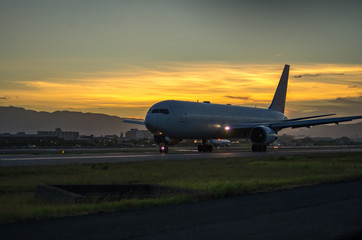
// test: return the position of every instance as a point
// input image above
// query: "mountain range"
(15, 119)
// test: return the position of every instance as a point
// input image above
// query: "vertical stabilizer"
(278, 102)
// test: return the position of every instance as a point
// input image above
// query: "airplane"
(171, 121)
(220, 142)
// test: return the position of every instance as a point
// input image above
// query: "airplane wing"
(314, 122)
(294, 123)
(317, 116)
(135, 121)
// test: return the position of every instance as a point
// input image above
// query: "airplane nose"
(151, 123)
(156, 123)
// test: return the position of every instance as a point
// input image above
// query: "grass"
(215, 178)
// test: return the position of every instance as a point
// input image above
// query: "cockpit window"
(161, 110)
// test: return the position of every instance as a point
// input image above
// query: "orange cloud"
(138, 88)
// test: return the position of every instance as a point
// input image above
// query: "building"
(135, 134)
(60, 134)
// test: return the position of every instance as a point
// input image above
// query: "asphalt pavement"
(331, 211)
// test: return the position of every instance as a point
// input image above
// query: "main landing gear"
(258, 148)
(205, 147)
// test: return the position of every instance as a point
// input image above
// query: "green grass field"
(213, 177)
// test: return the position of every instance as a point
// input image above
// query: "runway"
(179, 154)
(331, 211)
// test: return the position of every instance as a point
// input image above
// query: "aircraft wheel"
(199, 148)
(163, 149)
(263, 148)
(254, 148)
(210, 148)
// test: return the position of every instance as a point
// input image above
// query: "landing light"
(227, 128)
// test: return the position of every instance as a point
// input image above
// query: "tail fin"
(278, 102)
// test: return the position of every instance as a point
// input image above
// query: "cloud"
(237, 97)
(319, 74)
(130, 92)
(343, 106)
(346, 100)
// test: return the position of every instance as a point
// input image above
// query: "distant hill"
(14, 119)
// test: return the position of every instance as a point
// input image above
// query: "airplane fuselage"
(193, 120)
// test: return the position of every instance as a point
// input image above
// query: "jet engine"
(262, 135)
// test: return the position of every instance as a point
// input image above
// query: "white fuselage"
(192, 120)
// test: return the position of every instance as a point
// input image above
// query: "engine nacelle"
(262, 135)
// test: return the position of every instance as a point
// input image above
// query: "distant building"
(135, 134)
(323, 139)
(60, 134)
(113, 136)
(23, 137)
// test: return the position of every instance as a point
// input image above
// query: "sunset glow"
(120, 92)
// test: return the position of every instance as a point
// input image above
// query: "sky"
(121, 57)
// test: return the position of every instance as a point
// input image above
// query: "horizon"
(120, 58)
(87, 125)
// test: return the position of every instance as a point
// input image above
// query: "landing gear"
(205, 148)
(258, 148)
(163, 148)
(162, 141)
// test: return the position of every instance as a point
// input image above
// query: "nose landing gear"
(163, 148)
(163, 142)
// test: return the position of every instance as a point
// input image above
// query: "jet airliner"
(171, 121)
